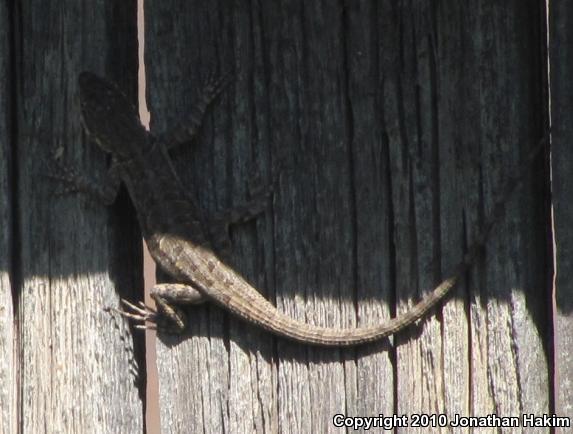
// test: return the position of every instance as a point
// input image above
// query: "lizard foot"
(139, 312)
(65, 175)
(166, 319)
(72, 181)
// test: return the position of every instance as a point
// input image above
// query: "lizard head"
(110, 118)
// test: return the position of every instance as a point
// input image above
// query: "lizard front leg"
(187, 130)
(74, 182)
(168, 317)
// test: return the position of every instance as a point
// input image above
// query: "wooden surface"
(77, 368)
(7, 325)
(390, 127)
(398, 124)
(561, 38)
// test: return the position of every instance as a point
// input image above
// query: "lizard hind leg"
(168, 296)
(166, 318)
(220, 223)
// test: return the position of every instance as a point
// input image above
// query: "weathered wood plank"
(510, 289)
(455, 58)
(398, 123)
(457, 134)
(561, 67)
(198, 376)
(8, 366)
(77, 370)
(409, 116)
(368, 155)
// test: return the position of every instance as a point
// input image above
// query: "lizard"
(176, 231)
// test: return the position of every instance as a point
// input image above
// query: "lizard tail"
(247, 303)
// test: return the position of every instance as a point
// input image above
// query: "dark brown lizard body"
(178, 238)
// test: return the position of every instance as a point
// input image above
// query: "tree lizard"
(178, 234)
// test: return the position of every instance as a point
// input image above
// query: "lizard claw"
(141, 308)
(215, 84)
(71, 181)
(58, 171)
(65, 191)
(139, 312)
(145, 326)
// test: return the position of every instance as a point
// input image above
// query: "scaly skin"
(179, 241)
